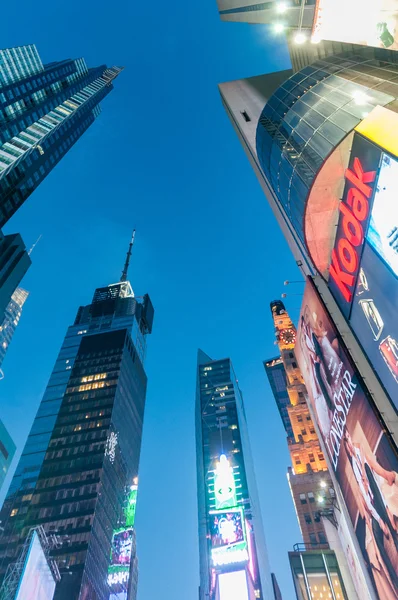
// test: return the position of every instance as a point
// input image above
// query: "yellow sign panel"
(381, 127)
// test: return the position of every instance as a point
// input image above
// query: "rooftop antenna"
(126, 264)
(35, 244)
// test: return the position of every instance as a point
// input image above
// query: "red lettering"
(343, 280)
(351, 226)
(358, 203)
(360, 178)
(348, 255)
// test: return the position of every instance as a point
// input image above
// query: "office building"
(309, 470)
(232, 552)
(14, 262)
(77, 473)
(11, 319)
(44, 110)
(7, 451)
(316, 575)
(288, 15)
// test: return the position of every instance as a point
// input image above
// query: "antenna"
(35, 244)
(126, 264)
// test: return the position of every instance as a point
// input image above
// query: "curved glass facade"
(311, 113)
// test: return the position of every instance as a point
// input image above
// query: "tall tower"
(11, 320)
(77, 474)
(309, 471)
(233, 556)
(44, 110)
(7, 451)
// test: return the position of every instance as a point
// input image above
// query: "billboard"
(224, 484)
(233, 585)
(364, 22)
(228, 537)
(37, 581)
(362, 456)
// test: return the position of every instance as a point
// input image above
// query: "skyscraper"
(7, 451)
(14, 262)
(77, 474)
(44, 109)
(233, 556)
(11, 319)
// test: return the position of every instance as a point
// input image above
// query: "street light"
(300, 38)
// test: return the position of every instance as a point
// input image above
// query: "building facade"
(309, 470)
(232, 552)
(44, 110)
(316, 575)
(324, 148)
(11, 319)
(77, 473)
(7, 451)
(14, 262)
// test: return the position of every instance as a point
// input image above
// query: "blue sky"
(163, 158)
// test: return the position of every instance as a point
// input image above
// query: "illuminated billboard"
(233, 586)
(228, 537)
(362, 456)
(364, 22)
(37, 581)
(224, 484)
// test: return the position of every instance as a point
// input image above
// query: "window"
(299, 418)
(291, 355)
(307, 518)
(322, 538)
(320, 456)
(308, 417)
(311, 457)
(14, 512)
(303, 499)
(297, 459)
(294, 365)
(313, 539)
(317, 517)
(303, 432)
(245, 116)
(311, 497)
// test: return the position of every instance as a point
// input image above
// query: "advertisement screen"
(362, 457)
(121, 547)
(37, 581)
(233, 586)
(364, 22)
(228, 538)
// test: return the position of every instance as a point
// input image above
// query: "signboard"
(364, 22)
(131, 506)
(233, 585)
(355, 209)
(224, 484)
(228, 537)
(362, 456)
(37, 581)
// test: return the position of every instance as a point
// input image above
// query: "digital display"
(224, 484)
(37, 581)
(233, 586)
(360, 453)
(121, 546)
(383, 228)
(228, 538)
(131, 506)
(364, 22)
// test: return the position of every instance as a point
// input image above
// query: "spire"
(36, 242)
(126, 264)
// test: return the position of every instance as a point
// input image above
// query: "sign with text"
(362, 456)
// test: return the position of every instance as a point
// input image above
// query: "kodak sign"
(354, 214)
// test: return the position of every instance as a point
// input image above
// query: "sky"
(163, 158)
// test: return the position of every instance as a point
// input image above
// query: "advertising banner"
(228, 539)
(37, 582)
(362, 456)
(364, 22)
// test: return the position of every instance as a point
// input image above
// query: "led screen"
(37, 581)
(365, 22)
(363, 459)
(121, 547)
(383, 228)
(226, 529)
(233, 586)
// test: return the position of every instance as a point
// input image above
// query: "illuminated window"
(14, 512)
(208, 369)
(27, 497)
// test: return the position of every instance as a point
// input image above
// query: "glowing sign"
(354, 210)
(121, 546)
(233, 586)
(131, 505)
(110, 448)
(118, 577)
(228, 537)
(224, 484)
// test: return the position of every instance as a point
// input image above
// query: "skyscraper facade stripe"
(232, 548)
(77, 475)
(44, 109)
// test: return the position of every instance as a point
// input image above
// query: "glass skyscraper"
(77, 473)
(233, 556)
(11, 319)
(7, 451)
(44, 109)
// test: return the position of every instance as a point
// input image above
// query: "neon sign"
(224, 484)
(354, 213)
